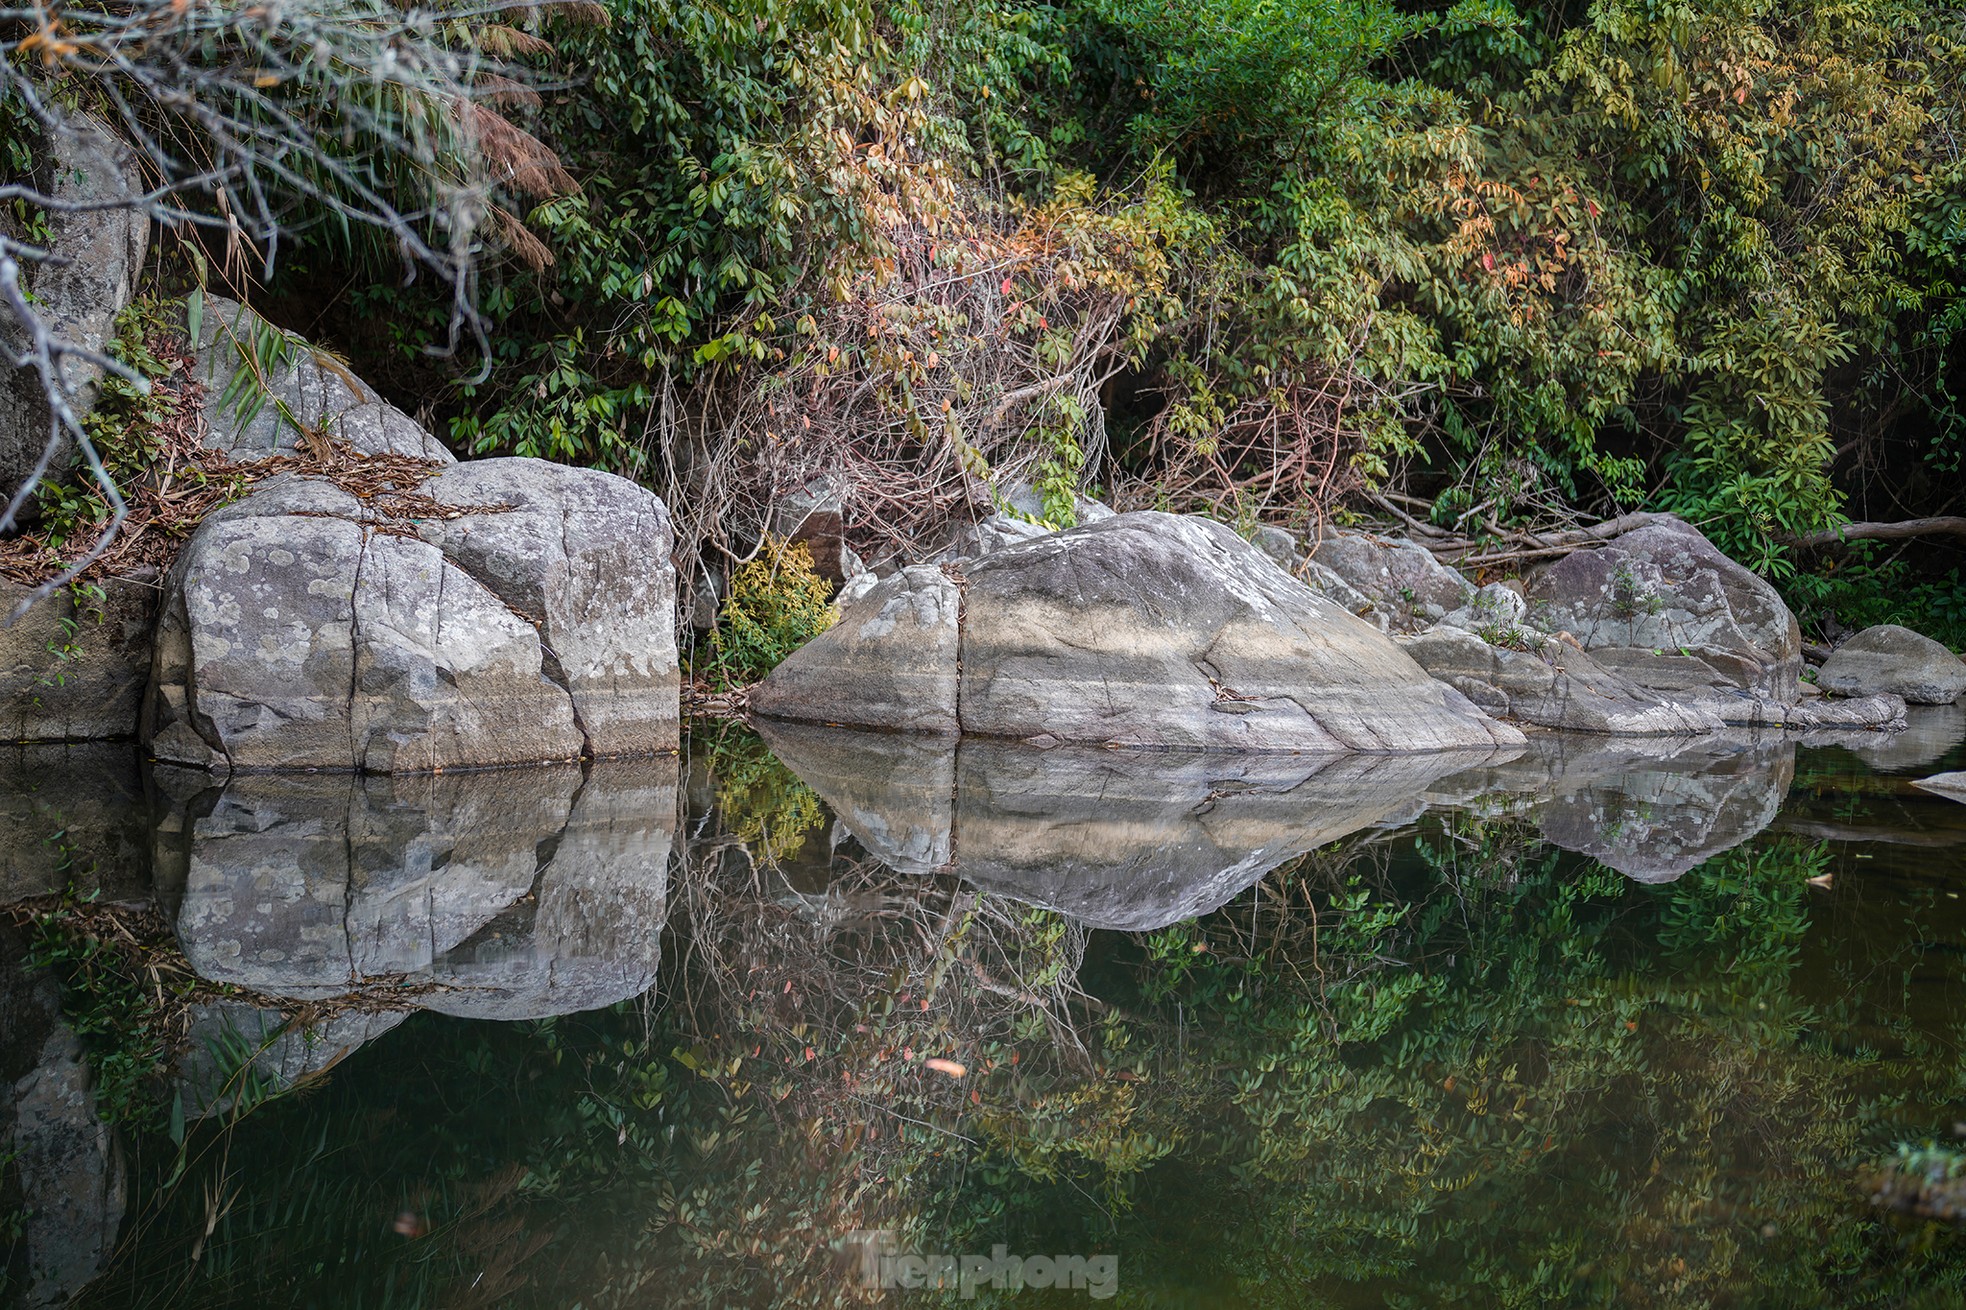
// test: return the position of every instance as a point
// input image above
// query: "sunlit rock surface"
(1651, 808)
(298, 632)
(72, 814)
(1145, 630)
(504, 894)
(1125, 840)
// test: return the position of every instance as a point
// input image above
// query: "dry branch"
(1948, 526)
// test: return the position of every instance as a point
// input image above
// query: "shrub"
(777, 603)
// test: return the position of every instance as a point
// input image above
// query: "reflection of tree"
(1456, 1067)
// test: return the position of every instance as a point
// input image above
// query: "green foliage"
(123, 427)
(1859, 591)
(777, 603)
(106, 1002)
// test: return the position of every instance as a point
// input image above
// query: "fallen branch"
(1948, 525)
(1502, 546)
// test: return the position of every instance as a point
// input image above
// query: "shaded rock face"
(283, 1054)
(815, 515)
(1552, 685)
(1125, 840)
(66, 1171)
(1402, 580)
(507, 895)
(1145, 629)
(298, 634)
(308, 386)
(78, 296)
(1888, 659)
(1651, 809)
(73, 813)
(70, 673)
(1665, 608)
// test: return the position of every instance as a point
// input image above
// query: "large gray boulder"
(891, 662)
(504, 895)
(99, 250)
(1551, 684)
(1145, 629)
(1127, 840)
(1664, 606)
(253, 412)
(76, 672)
(1888, 659)
(1404, 581)
(531, 619)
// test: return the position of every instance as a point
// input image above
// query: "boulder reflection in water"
(506, 894)
(1129, 840)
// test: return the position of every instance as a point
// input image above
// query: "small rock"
(1412, 588)
(1551, 684)
(1895, 660)
(1279, 545)
(308, 386)
(1952, 786)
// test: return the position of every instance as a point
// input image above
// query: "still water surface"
(1597, 1024)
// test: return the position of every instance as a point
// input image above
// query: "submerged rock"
(1888, 659)
(1124, 840)
(1145, 629)
(509, 894)
(73, 815)
(59, 1163)
(534, 622)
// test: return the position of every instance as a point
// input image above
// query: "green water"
(1462, 1034)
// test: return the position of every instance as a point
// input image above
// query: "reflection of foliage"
(1923, 1180)
(766, 806)
(111, 977)
(1452, 1068)
(777, 603)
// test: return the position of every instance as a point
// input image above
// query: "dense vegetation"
(1265, 258)
(1247, 255)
